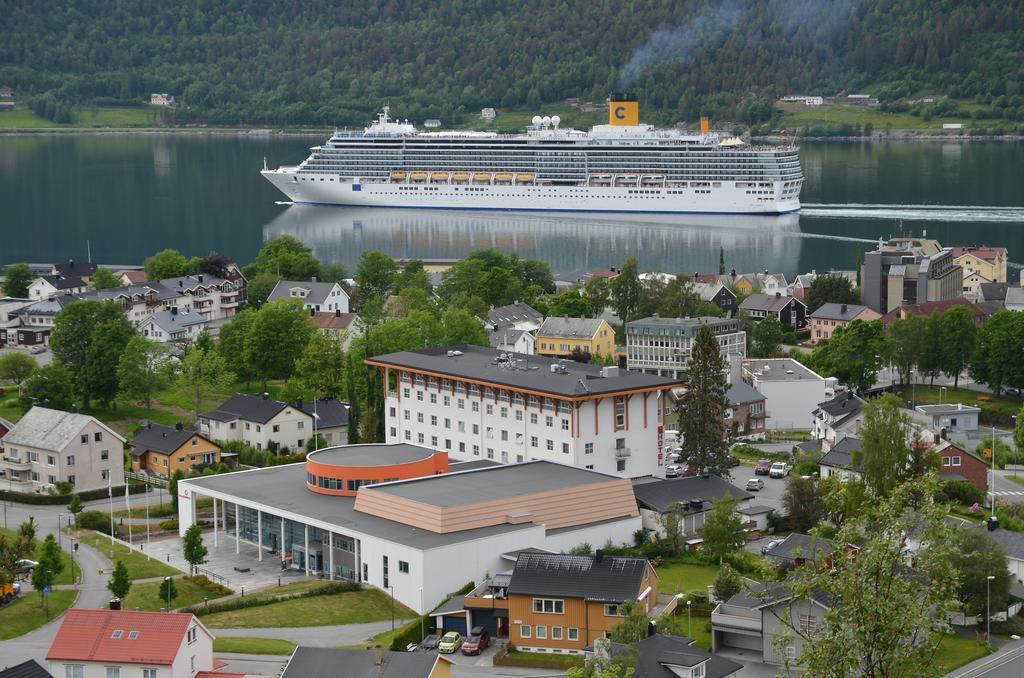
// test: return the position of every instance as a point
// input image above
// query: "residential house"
(789, 311)
(837, 417)
(663, 346)
(752, 621)
(798, 549)
(826, 319)
(260, 422)
(718, 294)
(904, 311)
(791, 390)
(956, 463)
(137, 302)
(514, 341)
(951, 418)
(72, 268)
(1013, 543)
(307, 662)
(9, 320)
(210, 296)
(973, 280)
(745, 415)
(766, 283)
(488, 114)
(50, 286)
(161, 99)
(26, 669)
(561, 603)
(162, 450)
(516, 316)
(48, 446)
(989, 262)
(909, 271)
(658, 499)
(172, 327)
(339, 326)
(105, 643)
(330, 418)
(319, 297)
(664, 656)
(6, 91)
(757, 517)
(802, 283)
(131, 277)
(1014, 299)
(565, 337)
(31, 325)
(838, 460)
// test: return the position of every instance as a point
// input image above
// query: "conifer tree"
(702, 408)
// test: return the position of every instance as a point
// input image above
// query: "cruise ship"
(624, 166)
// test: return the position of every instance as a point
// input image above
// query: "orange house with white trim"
(480, 403)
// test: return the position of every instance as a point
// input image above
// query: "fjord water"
(131, 195)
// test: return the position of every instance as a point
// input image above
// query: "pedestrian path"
(1009, 493)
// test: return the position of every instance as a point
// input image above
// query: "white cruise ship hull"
(724, 198)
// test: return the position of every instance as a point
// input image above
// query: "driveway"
(44, 358)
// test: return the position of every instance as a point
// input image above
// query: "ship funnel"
(623, 110)
(705, 126)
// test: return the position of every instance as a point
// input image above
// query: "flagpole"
(147, 529)
(110, 498)
(128, 506)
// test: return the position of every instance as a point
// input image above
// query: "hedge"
(242, 602)
(410, 633)
(537, 660)
(64, 499)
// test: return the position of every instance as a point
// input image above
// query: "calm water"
(130, 195)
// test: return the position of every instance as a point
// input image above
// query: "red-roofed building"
(132, 277)
(988, 262)
(104, 643)
(337, 325)
(929, 307)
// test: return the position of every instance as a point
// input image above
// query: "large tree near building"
(626, 291)
(231, 344)
(277, 338)
(723, 531)
(287, 257)
(462, 328)
(375, 275)
(144, 369)
(976, 557)
(72, 337)
(192, 547)
(998, 350)
(766, 338)
(854, 354)
(830, 288)
(959, 334)
(702, 408)
(886, 458)
(322, 367)
(803, 503)
(50, 384)
(17, 367)
(884, 614)
(932, 356)
(98, 377)
(17, 279)
(104, 279)
(906, 340)
(119, 583)
(167, 264)
(200, 374)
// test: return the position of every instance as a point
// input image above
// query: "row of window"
(78, 671)
(51, 460)
(527, 631)
(340, 484)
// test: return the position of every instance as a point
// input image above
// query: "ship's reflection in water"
(571, 244)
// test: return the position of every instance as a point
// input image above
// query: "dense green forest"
(333, 62)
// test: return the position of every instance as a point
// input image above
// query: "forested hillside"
(331, 62)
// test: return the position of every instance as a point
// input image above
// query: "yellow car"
(450, 643)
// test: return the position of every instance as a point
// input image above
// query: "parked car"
(732, 461)
(763, 467)
(770, 545)
(780, 469)
(673, 471)
(24, 566)
(430, 642)
(449, 643)
(477, 640)
(36, 350)
(755, 485)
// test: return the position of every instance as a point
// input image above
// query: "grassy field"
(139, 566)
(541, 661)
(698, 628)
(26, 614)
(65, 575)
(355, 607)
(675, 577)
(142, 116)
(798, 115)
(253, 646)
(9, 408)
(162, 511)
(954, 652)
(995, 410)
(146, 596)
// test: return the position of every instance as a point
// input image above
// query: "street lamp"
(422, 634)
(60, 521)
(988, 607)
(992, 484)
(392, 608)
(168, 580)
(689, 620)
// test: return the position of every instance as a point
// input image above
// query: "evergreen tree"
(727, 583)
(721, 261)
(192, 547)
(702, 408)
(626, 291)
(172, 487)
(119, 583)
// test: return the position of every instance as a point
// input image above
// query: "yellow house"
(564, 336)
(987, 262)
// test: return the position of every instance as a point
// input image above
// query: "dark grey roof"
(608, 578)
(323, 661)
(247, 408)
(809, 445)
(191, 282)
(176, 321)
(316, 293)
(283, 488)
(803, 546)
(569, 328)
(661, 495)
(841, 454)
(1012, 542)
(64, 282)
(993, 291)
(844, 312)
(78, 268)
(656, 653)
(767, 594)
(843, 403)
(471, 465)
(331, 412)
(371, 454)
(161, 438)
(491, 484)
(769, 304)
(453, 604)
(755, 510)
(29, 669)
(740, 393)
(529, 372)
(507, 316)
(514, 555)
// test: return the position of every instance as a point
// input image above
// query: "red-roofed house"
(929, 307)
(106, 643)
(338, 326)
(132, 277)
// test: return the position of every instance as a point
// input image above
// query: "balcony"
(229, 300)
(622, 452)
(491, 594)
(15, 464)
(725, 617)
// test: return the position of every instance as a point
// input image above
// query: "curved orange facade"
(340, 480)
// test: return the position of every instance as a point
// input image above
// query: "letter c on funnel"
(620, 112)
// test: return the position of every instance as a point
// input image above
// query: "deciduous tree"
(144, 369)
(193, 548)
(202, 373)
(626, 291)
(722, 530)
(375, 274)
(727, 583)
(277, 338)
(977, 557)
(72, 337)
(906, 339)
(830, 288)
(321, 367)
(802, 502)
(119, 583)
(997, 351)
(884, 455)
(51, 383)
(231, 344)
(98, 376)
(287, 257)
(104, 279)
(702, 408)
(766, 338)
(597, 293)
(166, 264)
(17, 279)
(17, 367)
(959, 334)
(854, 354)
(462, 328)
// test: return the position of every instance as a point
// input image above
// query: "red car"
(763, 467)
(476, 641)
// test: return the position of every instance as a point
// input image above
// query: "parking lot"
(44, 358)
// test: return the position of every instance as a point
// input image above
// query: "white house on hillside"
(315, 296)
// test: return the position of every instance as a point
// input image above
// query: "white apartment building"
(261, 422)
(792, 391)
(663, 345)
(480, 403)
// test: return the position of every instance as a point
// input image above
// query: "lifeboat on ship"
(600, 180)
(439, 178)
(652, 179)
(503, 178)
(398, 176)
(418, 176)
(482, 178)
(626, 180)
(460, 177)
(525, 178)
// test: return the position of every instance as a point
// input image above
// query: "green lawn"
(9, 408)
(139, 566)
(26, 614)
(799, 115)
(355, 607)
(254, 646)
(65, 575)
(954, 652)
(104, 116)
(146, 596)
(698, 628)
(541, 660)
(676, 577)
(995, 410)
(161, 511)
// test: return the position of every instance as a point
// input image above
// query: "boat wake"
(975, 213)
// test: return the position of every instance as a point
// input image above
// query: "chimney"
(201, 278)
(298, 403)
(115, 604)
(598, 556)
(733, 273)
(179, 426)
(842, 309)
(174, 310)
(73, 409)
(378, 655)
(943, 433)
(149, 425)
(181, 283)
(778, 295)
(337, 313)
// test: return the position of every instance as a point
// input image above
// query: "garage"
(487, 619)
(740, 641)
(452, 622)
